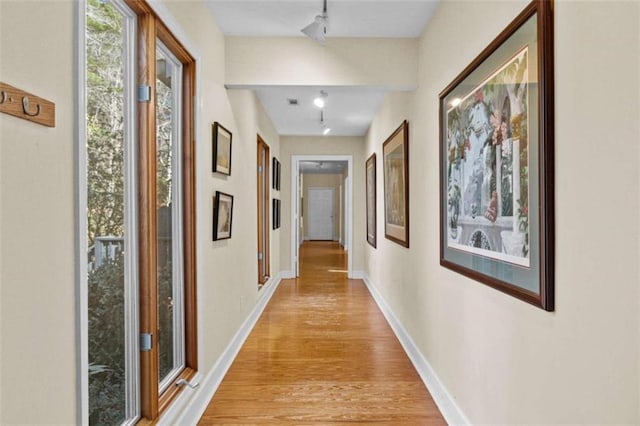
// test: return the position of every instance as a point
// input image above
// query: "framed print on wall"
(497, 164)
(395, 154)
(370, 168)
(222, 216)
(276, 213)
(221, 149)
(275, 166)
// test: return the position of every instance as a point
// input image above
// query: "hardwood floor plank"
(322, 353)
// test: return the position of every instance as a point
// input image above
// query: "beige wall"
(502, 360)
(320, 145)
(251, 120)
(341, 62)
(312, 180)
(38, 295)
(227, 269)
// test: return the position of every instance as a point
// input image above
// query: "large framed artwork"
(221, 149)
(395, 153)
(497, 166)
(371, 200)
(222, 216)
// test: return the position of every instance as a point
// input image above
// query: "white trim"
(82, 294)
(177, 232)
(285, 275)
(130, 216)
(443, 399)
(132, 289)
(191, 403)
(295, 172)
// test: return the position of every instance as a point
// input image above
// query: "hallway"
(322, 353)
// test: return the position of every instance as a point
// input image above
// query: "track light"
(317, 30)
(321, 100)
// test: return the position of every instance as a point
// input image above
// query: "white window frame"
(177, 231)
(132, 348)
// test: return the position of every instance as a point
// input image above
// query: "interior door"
(321, 213)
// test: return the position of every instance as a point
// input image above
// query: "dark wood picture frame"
(276, 214)
(508, 243)
(396, 185)
(222, 215)
(275, 166)
(221, 144)
(370, 173)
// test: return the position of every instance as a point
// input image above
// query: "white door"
(321, 212)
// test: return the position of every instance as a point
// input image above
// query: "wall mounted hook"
(25, 107)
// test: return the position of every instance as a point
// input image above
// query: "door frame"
(263, 200)
(295, 216)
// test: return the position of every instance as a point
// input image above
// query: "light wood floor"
(322, 353)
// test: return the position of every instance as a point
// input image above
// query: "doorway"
(263, 211)
(300, 201)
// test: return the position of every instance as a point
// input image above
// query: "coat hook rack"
(17, 102)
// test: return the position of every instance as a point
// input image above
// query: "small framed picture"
(276, 213)
(275, 166)
(222, 216)
(221, 149)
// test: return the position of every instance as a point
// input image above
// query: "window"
(140, 213)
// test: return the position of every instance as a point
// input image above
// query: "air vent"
(291, 101)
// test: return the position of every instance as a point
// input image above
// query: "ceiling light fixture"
(317, 30)
(321, 100)
(326, 130)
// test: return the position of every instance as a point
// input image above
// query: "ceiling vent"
(291, 101)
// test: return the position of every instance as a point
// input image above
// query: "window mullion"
(148, 215)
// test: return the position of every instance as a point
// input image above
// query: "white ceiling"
(347, 18)
(323, 167)
(350, 110)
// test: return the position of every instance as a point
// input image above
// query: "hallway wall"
(38, 293)
(323, 145)
(339, 62)
(502, 360)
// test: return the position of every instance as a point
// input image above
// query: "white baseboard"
(443, 399)
(359, 275)
(191, 403)
(286, 275)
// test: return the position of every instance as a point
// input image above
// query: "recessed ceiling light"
(321, 100)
